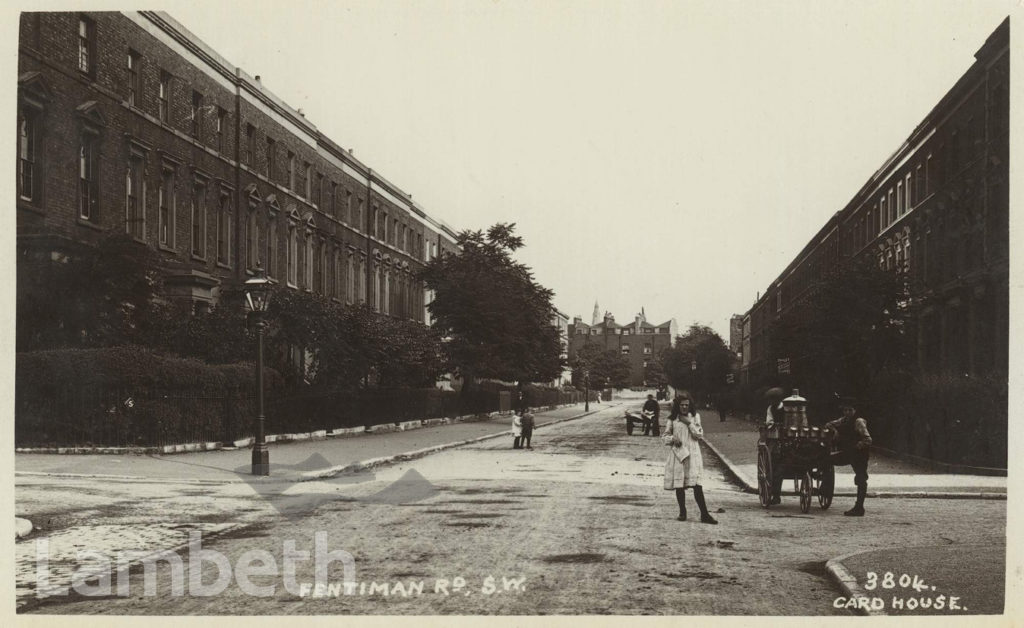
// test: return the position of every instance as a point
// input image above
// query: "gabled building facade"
(638, 341)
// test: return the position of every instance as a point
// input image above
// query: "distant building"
(561, 322)
(639, 341)
(736, 333)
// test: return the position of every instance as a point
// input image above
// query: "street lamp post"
(257, 296)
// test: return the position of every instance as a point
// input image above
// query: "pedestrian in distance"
(528, 423)
(651, 409)
(853, 443)
(517, 430)
(684, 467)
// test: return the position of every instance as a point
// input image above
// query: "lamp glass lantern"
(257, 292)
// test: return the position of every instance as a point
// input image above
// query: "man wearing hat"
(774, 415)
(651, 408)
(850, 434)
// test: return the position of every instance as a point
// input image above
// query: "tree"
(698, 362)
(850, 325)
(94, 297)
(495, 318)
(603, 366)
(654, 372)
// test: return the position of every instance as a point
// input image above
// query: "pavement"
(968, 569)
(289, 462)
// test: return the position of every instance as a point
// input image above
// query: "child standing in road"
(517, 430)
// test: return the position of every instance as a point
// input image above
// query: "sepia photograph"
(512, 309)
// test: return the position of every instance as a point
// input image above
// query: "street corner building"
(128, 123)
(639, 342)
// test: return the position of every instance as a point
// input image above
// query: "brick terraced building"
(128, 122)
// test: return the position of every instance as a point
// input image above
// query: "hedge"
(125, 396)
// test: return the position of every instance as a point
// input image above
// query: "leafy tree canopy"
(496, 319)
(605, 366)
(698, 362)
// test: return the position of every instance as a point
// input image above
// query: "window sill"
(223, 265)
(197, 257)
(166, 248)
(30, 206)
(88, 223)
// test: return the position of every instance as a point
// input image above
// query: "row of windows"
(300, 178)
(647, 349)
(624, 331)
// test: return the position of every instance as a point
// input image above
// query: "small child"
(517, 430)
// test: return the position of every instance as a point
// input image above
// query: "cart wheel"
(826, 486)
(805, 492)
(764, 475)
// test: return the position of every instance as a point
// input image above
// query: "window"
(224, 230)
(376, 287)
(318, 190)
(271, 262)
(357, 220)
(626, 332)
(308, 281)
(900, 206)
(919, 185)
(27, 139)
(221, 117)
(625, 349)
(88, 193)
(909, 200)
(350, 279)
(347, 218)
(163, 97)
(165, 200)
(250, 131)
(290, 164)
(306, 183)
(252, 238)
(197, 112)
(334, 199)
(929, 172)
(292, 256)
(883, 215)
(271, 154)
(647, 348)
(134, 59)
(198, 215)
(362, 279)
(135, 210)
(394, 232)
(86, 44)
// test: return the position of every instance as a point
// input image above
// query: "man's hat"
(846, 401)
(774, 393)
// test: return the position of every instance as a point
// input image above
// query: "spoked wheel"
(826, 486)
(805, 492)
(764, 475)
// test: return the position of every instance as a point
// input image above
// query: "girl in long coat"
(685, 466)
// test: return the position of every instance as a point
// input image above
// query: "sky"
(673, 156)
